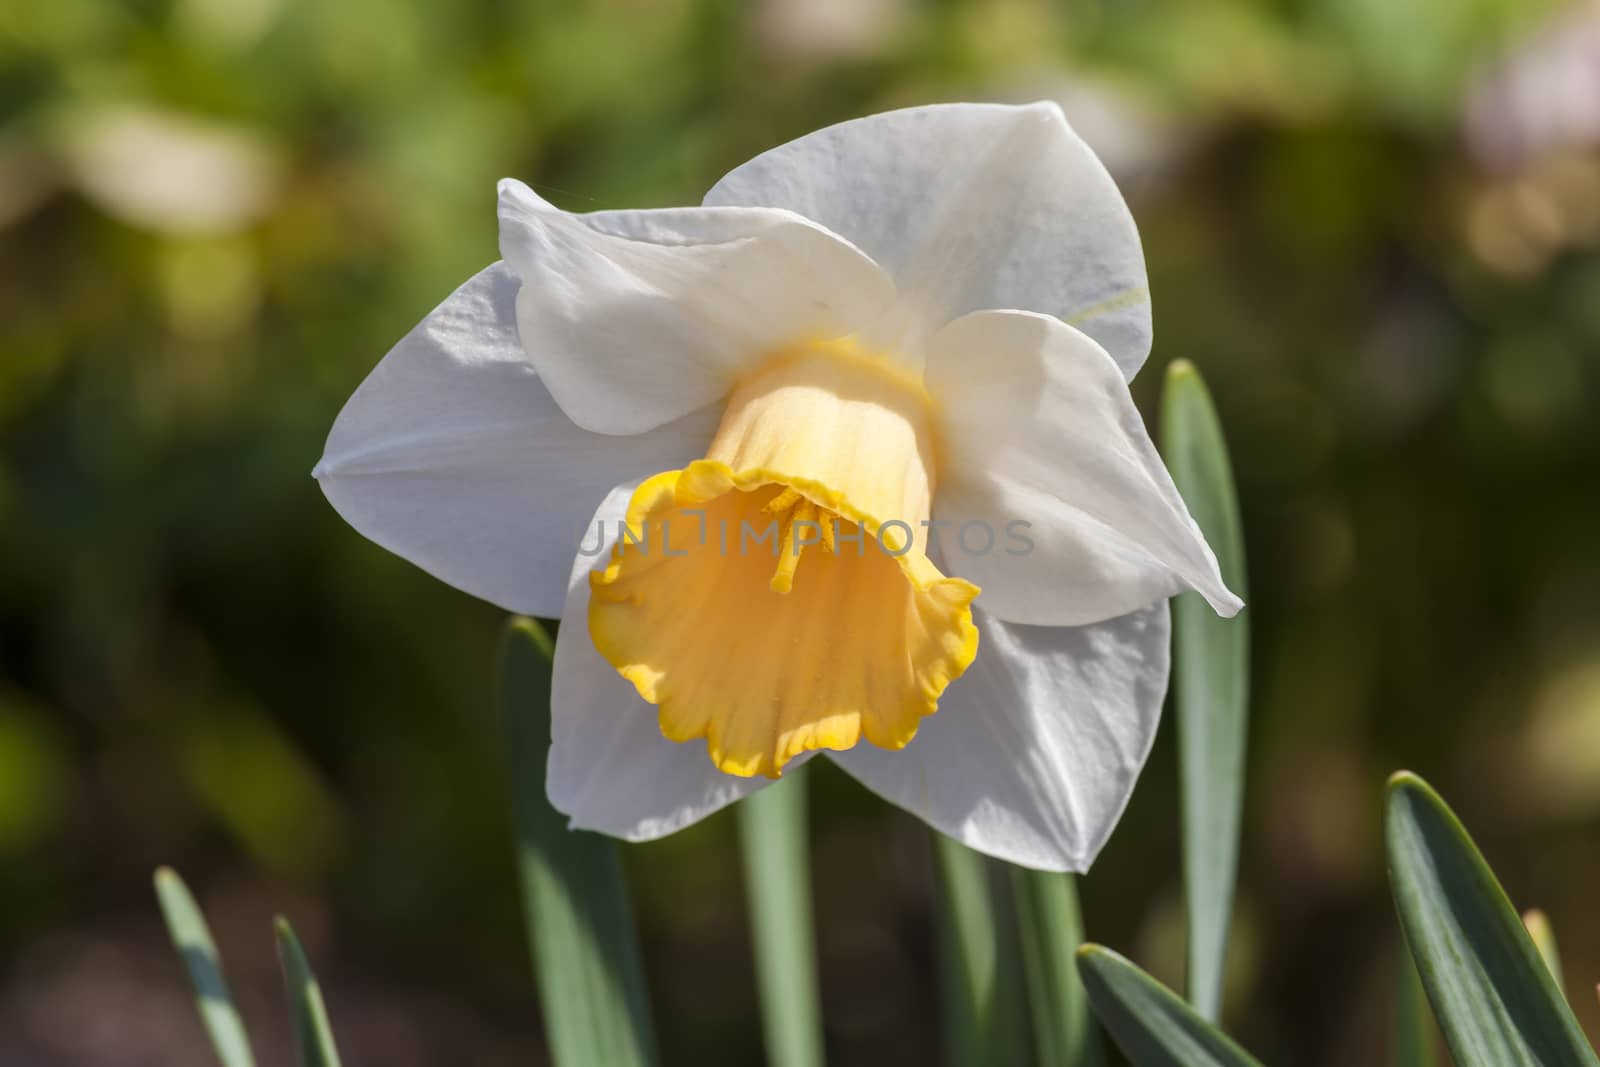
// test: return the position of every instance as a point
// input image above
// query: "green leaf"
(1052, 929)
(192, 938)
(1495, 999)
(777, 871)
(1150, 1023)
(312, 1035)
(1413, 1024)
(983, 1012)
(1544, 939)
(966, 930)
(1211, 680)
(580, 926)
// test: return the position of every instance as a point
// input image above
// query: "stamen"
(796, 514)
(782, 502)
(788, 558)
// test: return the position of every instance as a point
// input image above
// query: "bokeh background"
(1375, 226)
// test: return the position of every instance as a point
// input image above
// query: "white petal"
(453, 455)
(1033, 752)
(1038, 427)
(971, 206)
(610, 768)
(637, 317)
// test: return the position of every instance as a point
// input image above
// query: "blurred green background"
(1375, 226)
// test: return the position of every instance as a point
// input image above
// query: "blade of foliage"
(1211, 666)
(1052, 929)
(777, 871)
(983, 1011)
(1150, 1023)
(1544, 939)
(1495, 999)
(580, 926)
(312, 1035)
(192, 938)
(1010, 1031)
(1413, 1024)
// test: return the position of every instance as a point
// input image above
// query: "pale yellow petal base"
(756, 604)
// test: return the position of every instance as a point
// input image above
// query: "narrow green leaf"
(777, 871)
(1211, 678)
(1052, 929)
(967, 950)
(1544, 939)
(192, 938)
(1495, 1000)
(580, 926)
(984, 1014)
(312, 1036)
(1150, 1023)
(1010, 1030)
(1413, 1024)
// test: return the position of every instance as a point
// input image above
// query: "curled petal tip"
(1229, 606)
(1046, 107)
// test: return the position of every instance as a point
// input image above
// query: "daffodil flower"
(761, 455)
